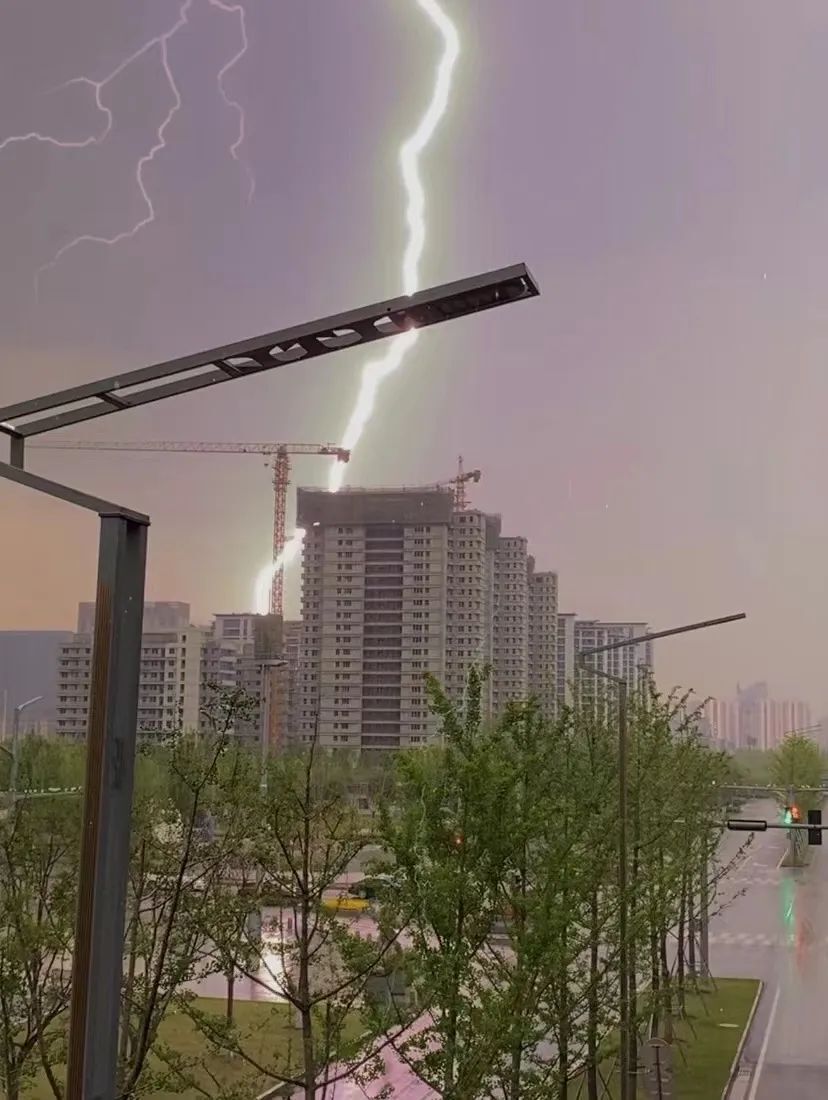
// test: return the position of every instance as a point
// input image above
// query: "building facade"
(374, 572)
(170, 680)
(543, 638)
(510, 622)
(397, 583)
(181, 666)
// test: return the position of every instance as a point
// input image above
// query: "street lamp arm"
(356, 327)
(651, 637)
(28, 703)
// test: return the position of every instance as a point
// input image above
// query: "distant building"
(28, 667)
(754, 720)
(723, 719)
(510, 622)
(543, 638)
(169, 689)
(181, 665)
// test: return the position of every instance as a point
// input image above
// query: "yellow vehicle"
(345, 905)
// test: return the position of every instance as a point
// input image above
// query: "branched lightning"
(233, 104)
(161, 43)
(398, 347)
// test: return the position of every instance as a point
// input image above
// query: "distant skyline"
(653, 424)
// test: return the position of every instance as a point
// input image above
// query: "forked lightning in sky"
(159, 43)
(375, 370)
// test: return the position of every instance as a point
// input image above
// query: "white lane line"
(763, 1053)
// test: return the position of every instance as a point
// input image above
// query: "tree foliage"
(798, 763)
(489, 960)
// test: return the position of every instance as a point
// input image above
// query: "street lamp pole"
(626, 973)
(15, 750)
(111, 738)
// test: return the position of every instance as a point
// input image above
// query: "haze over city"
(653, 424)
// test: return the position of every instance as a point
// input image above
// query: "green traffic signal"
(787, 816)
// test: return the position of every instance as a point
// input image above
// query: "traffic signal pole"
(760, 825)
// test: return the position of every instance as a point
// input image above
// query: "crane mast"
(280, 461)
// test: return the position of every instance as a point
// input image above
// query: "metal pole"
(15, 750)
(15, 755)
(17, 450)
(704, 915)
(623, 904)
(110, 761)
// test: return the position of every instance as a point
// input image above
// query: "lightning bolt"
(376, 370)
(161, 43)
(233, 104)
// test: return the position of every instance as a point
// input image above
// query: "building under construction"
(402, 582)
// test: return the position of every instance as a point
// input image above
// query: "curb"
(734, 1068)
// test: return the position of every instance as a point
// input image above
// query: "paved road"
(777, 930)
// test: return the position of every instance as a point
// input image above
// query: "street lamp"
(15, 761)
(110, 758)
(627, 1052)
(15, 749)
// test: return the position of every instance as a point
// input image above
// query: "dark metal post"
(626, 1036)
(15, 756)
(110, 762)
(704, 916)
(17, 450)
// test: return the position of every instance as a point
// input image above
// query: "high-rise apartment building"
(374, 604)
(181, 665)
(577, 635)
(543, 638)
(754, 720)
(169, 689)
(510, 622)
(469, 594)
(397, 583)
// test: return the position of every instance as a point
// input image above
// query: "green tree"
(188, 824)
(303, 831)
(798, 763)
(39, 847)
(446, 835)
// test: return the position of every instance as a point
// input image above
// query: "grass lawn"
(702, 1061)
(268, 1036)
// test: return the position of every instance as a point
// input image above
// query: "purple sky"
(653, 424)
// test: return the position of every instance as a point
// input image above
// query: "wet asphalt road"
(778, 931)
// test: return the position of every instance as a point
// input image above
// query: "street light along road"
(628, 1055)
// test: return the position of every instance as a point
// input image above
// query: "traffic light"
(815, 819)
(791, 815)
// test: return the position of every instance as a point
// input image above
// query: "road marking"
(763, 1053)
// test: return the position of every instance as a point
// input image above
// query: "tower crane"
(280, 454)
(459, 482)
